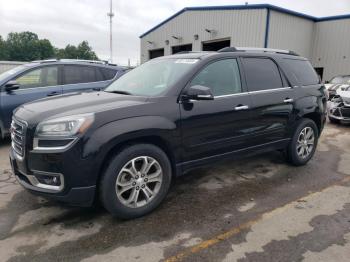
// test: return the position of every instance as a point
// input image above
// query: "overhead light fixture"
(150, 42)
(196, 37)
(210, 31)
(176, 37)
(167, 42)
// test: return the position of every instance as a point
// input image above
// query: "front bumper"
(336, 112)
(77, 196)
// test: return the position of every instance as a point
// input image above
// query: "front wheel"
(303, 144)
(136, 181)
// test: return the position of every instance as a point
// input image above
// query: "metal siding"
(7, 65)
(332, 47)
(243, 27)
(291, 33)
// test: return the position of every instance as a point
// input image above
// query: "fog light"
(52, 180)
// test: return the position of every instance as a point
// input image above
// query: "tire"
(140, 182)
(294, 150)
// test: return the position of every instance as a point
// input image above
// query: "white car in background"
(341, 82)
(339, 105)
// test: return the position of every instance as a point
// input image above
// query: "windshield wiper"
(119, 92)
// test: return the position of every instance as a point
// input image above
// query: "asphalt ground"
(253, 209)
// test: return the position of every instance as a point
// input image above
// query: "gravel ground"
(254, 209)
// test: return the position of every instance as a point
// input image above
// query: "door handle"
(53, 94)
(241, 107)
(288, 100)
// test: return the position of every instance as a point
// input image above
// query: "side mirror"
(11, 85)
(198, 92)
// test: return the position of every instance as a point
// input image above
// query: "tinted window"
(302, 71)
(108, 74)
(222, 77)
(261, 74)
(45, 76)
(79, 74)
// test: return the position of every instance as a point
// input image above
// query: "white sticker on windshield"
(186, 61)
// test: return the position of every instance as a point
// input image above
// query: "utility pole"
(110, 15)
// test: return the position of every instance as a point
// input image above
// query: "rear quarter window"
(302, 71)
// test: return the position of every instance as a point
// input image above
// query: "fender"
(105, 138)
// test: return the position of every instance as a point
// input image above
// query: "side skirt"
(184, 167)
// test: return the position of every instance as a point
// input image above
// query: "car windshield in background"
(152, 78)
(11, 72)
(340, 80)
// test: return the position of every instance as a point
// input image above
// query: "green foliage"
(82, 51)
(26, 46)
(3, 50)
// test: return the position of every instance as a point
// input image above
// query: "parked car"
(337, 82)
(339, 106)
(172, 114)
(41, 79)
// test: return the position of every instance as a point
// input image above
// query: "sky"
(73, 21)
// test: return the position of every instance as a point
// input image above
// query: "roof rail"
(257, 49)
(103, 62)
(45, 61)
(85, 61)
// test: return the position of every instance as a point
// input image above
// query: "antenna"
(110, 15)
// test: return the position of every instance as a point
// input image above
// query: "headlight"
(65, 126)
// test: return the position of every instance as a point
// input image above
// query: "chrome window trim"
(41, 87)
(256, 92)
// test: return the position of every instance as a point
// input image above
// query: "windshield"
(340, 80)
(11, 72)
(153, 77)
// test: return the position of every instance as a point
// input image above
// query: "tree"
(46, 49)
(23, 46)
(86, 52)
(26, 46)
(82, 51)
(3, 50)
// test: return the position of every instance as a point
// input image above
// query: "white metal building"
(325, 41)
(7, 65)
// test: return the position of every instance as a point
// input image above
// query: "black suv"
(172, 114)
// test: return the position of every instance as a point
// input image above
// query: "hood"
(75, 103)
(335, 87)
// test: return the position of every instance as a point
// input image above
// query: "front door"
(219, 126)
(38, 83)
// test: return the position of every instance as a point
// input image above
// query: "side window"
(108, 73)
(78, 74)
(303, 71)
(261, 74)
(222, 77)
(41, 77)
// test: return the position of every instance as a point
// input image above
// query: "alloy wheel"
(306, 142)
(139, 181)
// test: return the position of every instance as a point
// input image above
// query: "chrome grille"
(18, 137)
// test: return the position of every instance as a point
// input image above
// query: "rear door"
(79, 78)
(218, 126)
(34, 84)
(272, 99)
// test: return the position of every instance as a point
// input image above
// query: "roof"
(248, 7)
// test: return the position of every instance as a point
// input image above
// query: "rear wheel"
(136, 181)
(303, 144)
